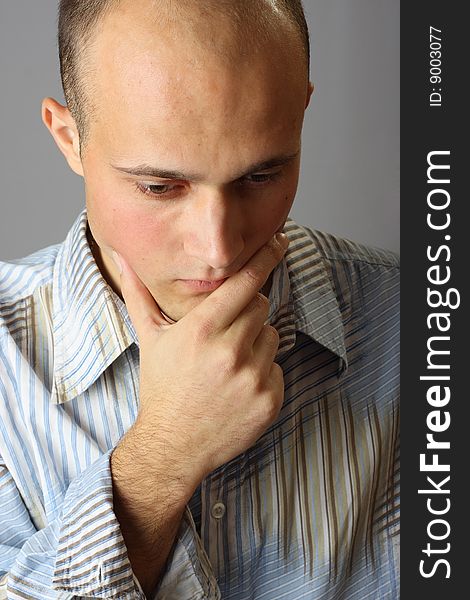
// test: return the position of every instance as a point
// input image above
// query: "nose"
(214, 229)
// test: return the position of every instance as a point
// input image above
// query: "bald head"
(230, 31)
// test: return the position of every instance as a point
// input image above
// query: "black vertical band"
(434, 303)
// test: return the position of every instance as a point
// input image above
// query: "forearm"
(149, 500)
(79, 553)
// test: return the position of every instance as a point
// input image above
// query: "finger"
(276, 378)
(246, 328)
(144, 312)
(225, 303)
(265, 348)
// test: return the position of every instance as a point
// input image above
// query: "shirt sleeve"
(83, 554)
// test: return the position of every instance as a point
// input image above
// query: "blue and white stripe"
(311, 510)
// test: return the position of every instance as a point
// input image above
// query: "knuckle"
(277, 375)
(270, 398)
(229, 359)
(255, 381)
(275, 250)
(275, 409)
(261, 303)
(271, 335)
(203, 329)
(255, 275)
(277, 372)
(272, 409)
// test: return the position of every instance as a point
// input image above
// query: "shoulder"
(20, 279)
(335, 249)
(364, 279)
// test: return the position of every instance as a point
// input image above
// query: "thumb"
(144, 312)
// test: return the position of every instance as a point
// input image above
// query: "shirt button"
(218, 510)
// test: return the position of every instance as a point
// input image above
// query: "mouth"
(202, 285)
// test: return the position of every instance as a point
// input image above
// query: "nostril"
(221, 255)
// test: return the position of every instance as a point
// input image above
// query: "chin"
(177, 310)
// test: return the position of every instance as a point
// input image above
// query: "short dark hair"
(77, 20)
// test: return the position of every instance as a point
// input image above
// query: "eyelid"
(271, 172)
(160, 182)
(270, 175)
(142, 186)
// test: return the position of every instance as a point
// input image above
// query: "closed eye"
(260, 177)
(165, 190)
(155, 189)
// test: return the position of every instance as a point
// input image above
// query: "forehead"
(158, 79)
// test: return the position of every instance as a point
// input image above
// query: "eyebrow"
(149, 171)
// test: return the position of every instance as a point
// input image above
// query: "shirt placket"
(214, 516)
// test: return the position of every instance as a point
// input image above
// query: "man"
(166, 430)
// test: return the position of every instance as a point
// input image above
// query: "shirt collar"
(315, 305)
(92, 328)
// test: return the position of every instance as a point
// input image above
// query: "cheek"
(287, 195)
(276, 206)
(118, 223)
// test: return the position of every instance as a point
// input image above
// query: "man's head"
(78, 21)
(203, 93)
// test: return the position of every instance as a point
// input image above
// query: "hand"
(209, 386)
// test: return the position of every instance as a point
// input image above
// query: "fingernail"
(117, 260)
(282, 239)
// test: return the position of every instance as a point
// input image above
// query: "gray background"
(350, 166)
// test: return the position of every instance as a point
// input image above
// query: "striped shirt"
(309, 511)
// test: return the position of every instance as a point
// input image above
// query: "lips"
(206, 280)
(202, 285)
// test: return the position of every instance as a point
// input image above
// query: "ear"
(309, 93)
(61, 124)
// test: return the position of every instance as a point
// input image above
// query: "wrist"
(147, 468)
